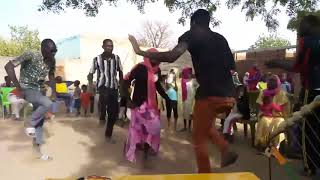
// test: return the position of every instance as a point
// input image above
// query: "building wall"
(260, 58)
(68, 48)
(91, 46)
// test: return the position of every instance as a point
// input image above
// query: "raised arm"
(168, 56)
(9, 67)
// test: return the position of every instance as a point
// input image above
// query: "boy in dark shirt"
(213, 61)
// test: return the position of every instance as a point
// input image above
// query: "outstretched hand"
(134, 44)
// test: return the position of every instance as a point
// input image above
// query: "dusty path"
(78, 148)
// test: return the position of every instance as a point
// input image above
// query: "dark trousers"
(172, 106)
(67, 100)
(108, 99)
(91, 104)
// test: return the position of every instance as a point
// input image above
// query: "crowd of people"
(213, 90)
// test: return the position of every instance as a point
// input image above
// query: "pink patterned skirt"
(144, 128)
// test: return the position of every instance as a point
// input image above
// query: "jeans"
(41, 105)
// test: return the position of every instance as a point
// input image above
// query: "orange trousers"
(205, 111)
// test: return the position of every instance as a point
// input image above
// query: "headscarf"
(186, 72)
(273, 92)
(152, 70)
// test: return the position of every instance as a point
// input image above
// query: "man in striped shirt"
(108, 67)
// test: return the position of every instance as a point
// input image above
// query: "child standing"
(173, 104)
(76, 97)
(85, 99)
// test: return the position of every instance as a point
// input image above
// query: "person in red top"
(254, 78)
(85, 99)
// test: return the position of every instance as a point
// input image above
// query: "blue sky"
(125, 18)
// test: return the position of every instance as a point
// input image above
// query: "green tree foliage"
(270, 41)
(267, 9)
(295, 21)
(22, 39)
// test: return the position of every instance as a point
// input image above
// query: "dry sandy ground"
(78, 148)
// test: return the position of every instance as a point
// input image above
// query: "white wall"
(90, 47)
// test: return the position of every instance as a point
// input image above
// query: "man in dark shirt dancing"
(213, 61)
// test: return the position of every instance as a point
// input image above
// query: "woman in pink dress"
(144, 129)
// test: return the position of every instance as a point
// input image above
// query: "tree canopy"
(270, 41)
(267, 9)
(295, 21)
(22, 39)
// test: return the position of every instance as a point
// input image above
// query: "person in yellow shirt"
(63, 93)
(262, 84)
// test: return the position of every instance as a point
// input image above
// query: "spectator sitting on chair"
(240, 110)
(62, 92)
(16, 102)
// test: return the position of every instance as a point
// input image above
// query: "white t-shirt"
(170, 78)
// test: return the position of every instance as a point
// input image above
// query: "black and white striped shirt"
(107, 71)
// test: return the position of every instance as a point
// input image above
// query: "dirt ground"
(78, 148)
